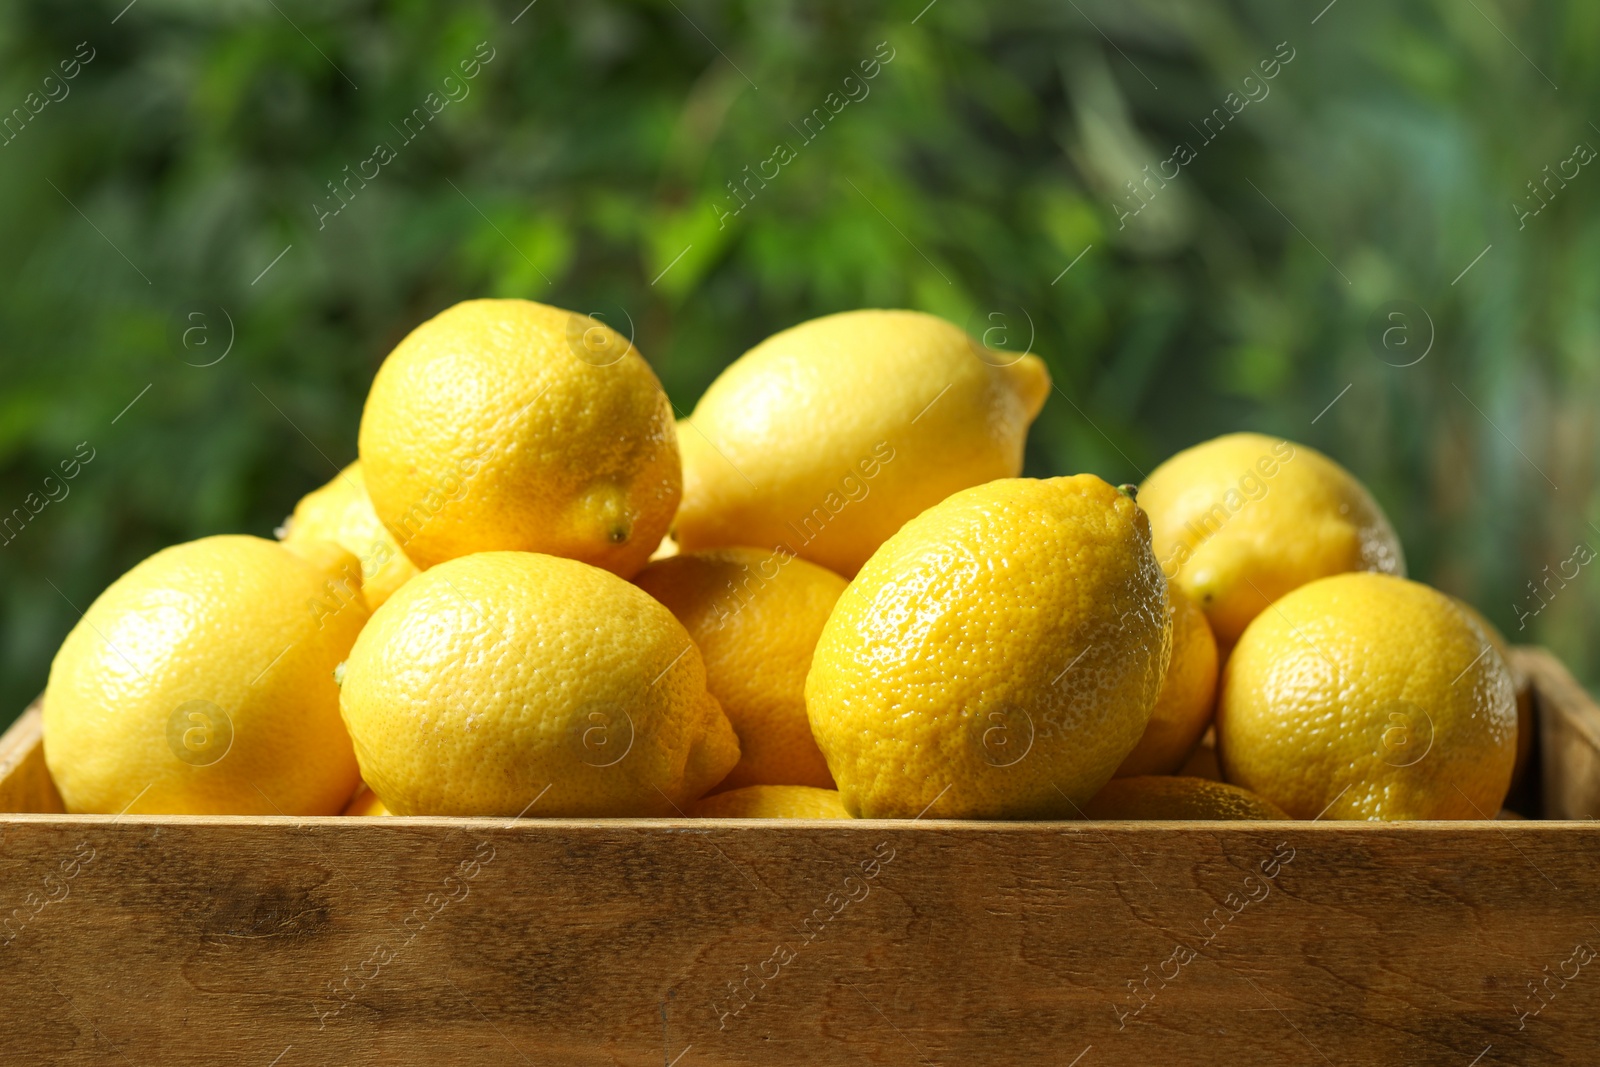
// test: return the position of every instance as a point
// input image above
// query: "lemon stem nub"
(619, 535)
(1129, 491)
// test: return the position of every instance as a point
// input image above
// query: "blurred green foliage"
(588, 165)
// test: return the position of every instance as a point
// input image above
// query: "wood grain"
(177, 940)
(187, 941)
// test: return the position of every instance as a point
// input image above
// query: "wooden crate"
(167, 941)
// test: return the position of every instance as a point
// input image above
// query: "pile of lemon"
(824, 594)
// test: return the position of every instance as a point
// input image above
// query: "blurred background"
(1367, 227)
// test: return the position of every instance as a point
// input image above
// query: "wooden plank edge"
(1555, 686)
(19, 740)
(1566, 758)
(25, 782)
(396, 823)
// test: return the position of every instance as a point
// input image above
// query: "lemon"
(1159, 797)
(1519, 680)
(772, 802)
(1188, 693)
(828, 437)
(511, 683)
(334, 560)
(341, 512)
(1243, 519)
(365, 803)
(755, 615)
(201, 683)
(998, 657)
(510, 425)
(1366, 696)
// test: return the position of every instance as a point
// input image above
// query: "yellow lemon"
(996, 658)
(365, 803)
(1188, 694)
(1365, 696)
(1522, 683)
(514, 683)
(755, 615)
(341, 512)
(828, 437)
(331, 558)
(1159, 797)
(201, 683)
(1243, 519)
(772, 802)
(510, 425)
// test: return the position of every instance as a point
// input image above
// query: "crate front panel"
(379, 941)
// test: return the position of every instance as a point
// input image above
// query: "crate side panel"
(1568, 737)
(25, 784)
